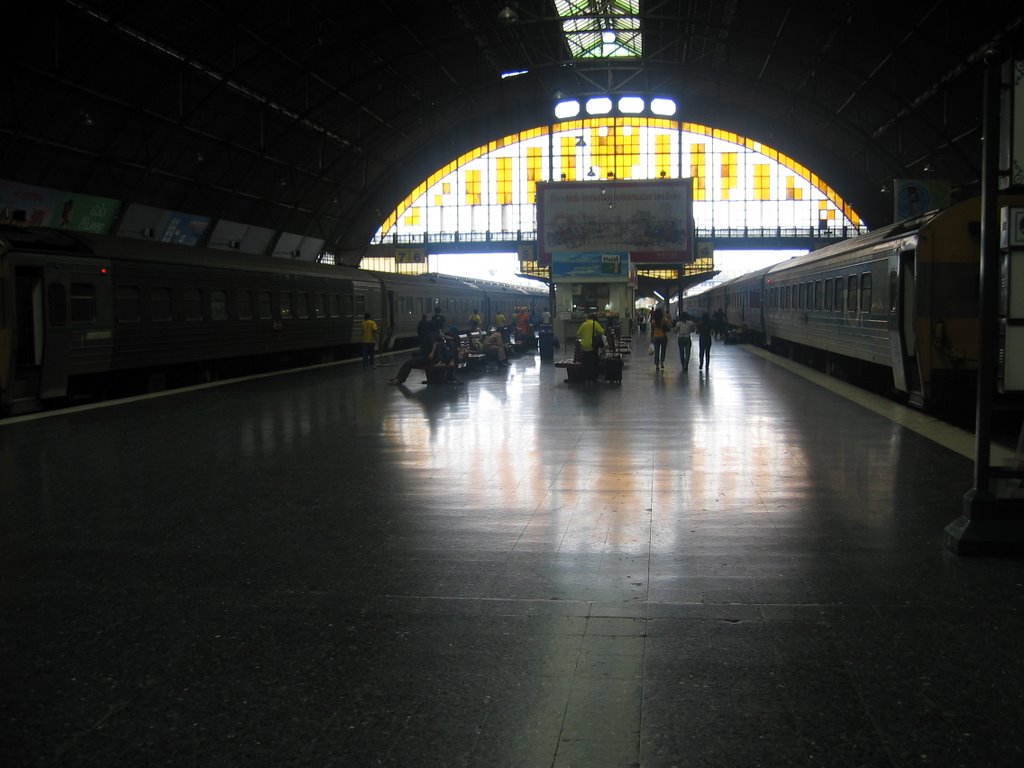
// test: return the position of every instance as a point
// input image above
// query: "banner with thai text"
(651, 220)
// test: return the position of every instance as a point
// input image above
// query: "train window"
(266, 309)
(803, 296)
(318, 305)
(333, 305)
(785, 298)
(893, 283)
(127, 304)
(837, 302)
(83, 302)
(865, 292)
(360, 305)
(57, 300)
(160, 304)
(302, 304)
(193, 304)
(346, 305)
(285, 302)
(218, 305)
(851, 293)
(817, 294)
(243, 303)
(828, 294)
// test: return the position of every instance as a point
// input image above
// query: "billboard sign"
(650, 220)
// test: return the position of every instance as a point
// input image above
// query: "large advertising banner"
(651, 220)
(26, 205)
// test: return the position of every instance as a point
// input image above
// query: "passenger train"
(895, 310)
(85, 314)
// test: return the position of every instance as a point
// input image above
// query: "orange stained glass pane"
(762, 182)
(535, 169)
(503, 180)
(663, 155)
(473, 187)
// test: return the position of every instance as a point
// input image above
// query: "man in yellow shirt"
(590, 335)
(369, 341)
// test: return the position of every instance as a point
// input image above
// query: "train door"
(389, 320)
(902, 333)
(42, 340)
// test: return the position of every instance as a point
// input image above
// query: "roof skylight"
(601, 29)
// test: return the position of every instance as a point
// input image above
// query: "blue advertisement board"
(596, 265)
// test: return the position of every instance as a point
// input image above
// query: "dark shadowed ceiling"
(318, 117)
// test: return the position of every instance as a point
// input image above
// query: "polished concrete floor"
(318, 569)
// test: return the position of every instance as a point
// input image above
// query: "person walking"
(705, 331)
(684, 337)
(369, 341)
(659, 337)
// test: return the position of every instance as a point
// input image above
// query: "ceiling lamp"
(507, 15)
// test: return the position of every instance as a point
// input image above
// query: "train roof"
(45, 240)
(905, 228)
(49, 240)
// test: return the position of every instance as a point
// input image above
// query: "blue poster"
(594, 265)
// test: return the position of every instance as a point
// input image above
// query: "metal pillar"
(988, 525)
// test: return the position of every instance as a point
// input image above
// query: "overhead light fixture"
(608, 36)
(507, 15)
(631, 105)
(580, 142)
(927, 168)
(598, 105)
(567, 108)
(663, 107)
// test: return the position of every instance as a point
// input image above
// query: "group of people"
(684, 327)
(437, 346)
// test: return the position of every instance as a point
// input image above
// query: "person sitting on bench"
(496, 344)
(425, 356)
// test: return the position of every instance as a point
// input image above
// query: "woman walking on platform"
(659, 337)
(684, 334)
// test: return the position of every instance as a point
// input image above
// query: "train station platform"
(745, 568)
